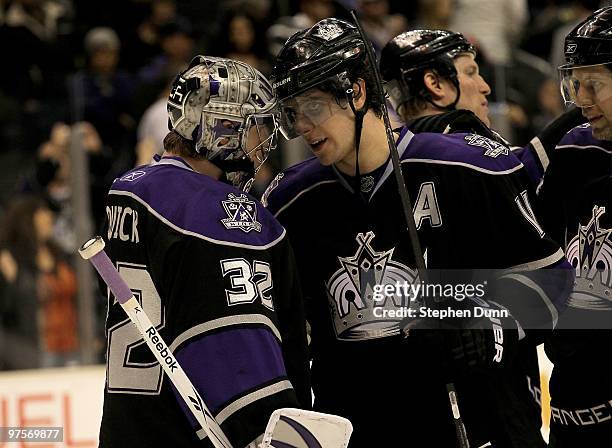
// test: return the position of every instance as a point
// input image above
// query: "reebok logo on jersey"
(162, 348)
(134, 175)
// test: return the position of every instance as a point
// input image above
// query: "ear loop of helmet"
(453, 79)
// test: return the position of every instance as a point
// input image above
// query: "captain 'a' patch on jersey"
(492, 148)
(350, 291)
(590, 252)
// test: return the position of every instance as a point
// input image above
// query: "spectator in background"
(40, 17)
(379, 25)
(433, 15)
(242, 42)
(51, 176)
(38, 289)
(107, 94)
(34, 67)
(497, 23)
(177, 44)
(143, 43)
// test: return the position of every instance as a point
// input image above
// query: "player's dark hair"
(179, 145)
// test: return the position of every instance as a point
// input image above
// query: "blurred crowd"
(96, 75)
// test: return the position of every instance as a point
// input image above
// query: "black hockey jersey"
(576, 198)
(534, 159)
(471, 212)
(215, 273)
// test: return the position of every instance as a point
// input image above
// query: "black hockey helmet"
(406, 57)
(589, 44)
(325, 56)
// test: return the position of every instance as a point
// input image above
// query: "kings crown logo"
(328, 31)
(590, 252)
(241, 213)
(351, 289)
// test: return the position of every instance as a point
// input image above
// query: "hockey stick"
(399, 178)
(407, 208)
(93, 250)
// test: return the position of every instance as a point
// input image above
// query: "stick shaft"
(407, 209)
(397, 169)
(459, 426)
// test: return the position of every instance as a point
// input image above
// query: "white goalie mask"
(228, 109)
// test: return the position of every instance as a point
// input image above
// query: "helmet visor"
(302, 113)
(586, 86)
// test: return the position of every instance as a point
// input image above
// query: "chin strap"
(359, 114)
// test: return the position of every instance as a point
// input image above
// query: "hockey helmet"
(406, 57)
(586, 78)
(326, 57)
(228, 110)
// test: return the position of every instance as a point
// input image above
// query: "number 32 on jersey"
(250, 281)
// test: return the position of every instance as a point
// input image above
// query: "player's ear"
(359, 93)
(432, 83)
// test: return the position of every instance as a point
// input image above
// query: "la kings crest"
(492, 148)
(590, 252)
(241, 213)
(350, 292)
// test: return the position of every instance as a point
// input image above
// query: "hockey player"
(576, 198)
(213, 269)
(434, 84)
(343, 216)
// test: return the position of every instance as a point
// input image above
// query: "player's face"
(592, 92)
(474, 89)
(327, 127)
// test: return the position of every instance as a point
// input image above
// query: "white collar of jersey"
(172, 160)
(401, 148)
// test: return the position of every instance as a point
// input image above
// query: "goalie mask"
(406, 58)
(586, 76)
(228, 110)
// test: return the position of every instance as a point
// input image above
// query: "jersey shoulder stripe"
(197, 205)
(294, 182)
(471, 151)
(581, 137)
